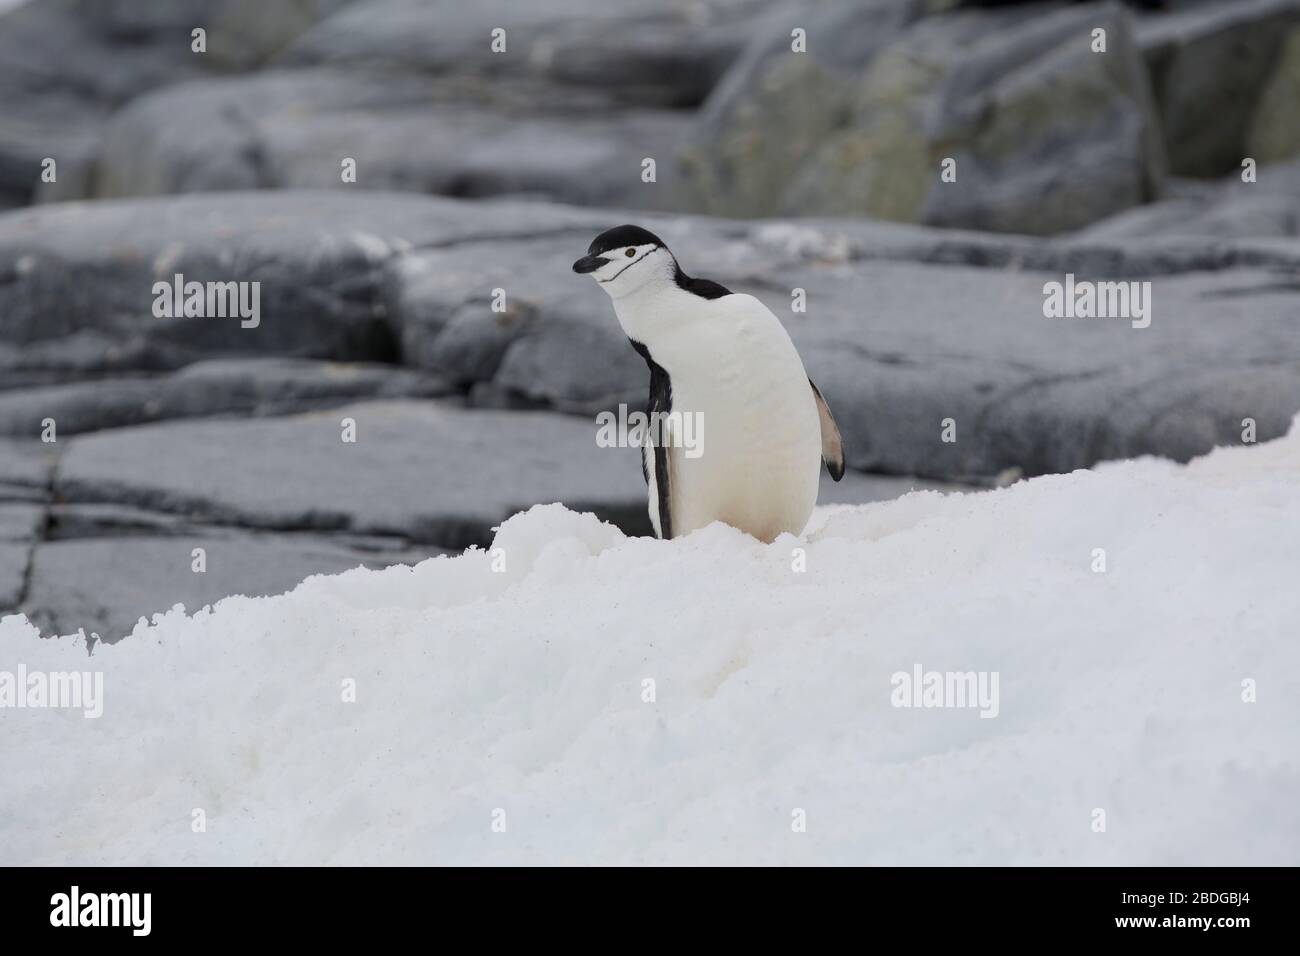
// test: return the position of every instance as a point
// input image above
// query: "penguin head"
(625, 259)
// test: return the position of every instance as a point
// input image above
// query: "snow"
(482, 691)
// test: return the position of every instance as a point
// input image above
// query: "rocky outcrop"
(1008, 117)
(67, 65)
(1267, 208)
(77, 280)
(904, 326)
(1037, 131)
(1220, 73)
(306, 128)
(566, 102)
(625, 51)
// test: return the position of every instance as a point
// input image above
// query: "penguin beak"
(589, 264)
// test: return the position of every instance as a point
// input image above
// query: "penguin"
(725, 358)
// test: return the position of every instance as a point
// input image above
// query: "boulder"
(1046, 134)
(295, 129)
(1274, 132)
(763, 121)
(1221, 75)
(557, 341)
(66, 65)
(629, 52)
(77, 279)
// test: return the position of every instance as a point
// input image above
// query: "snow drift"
(506, 715)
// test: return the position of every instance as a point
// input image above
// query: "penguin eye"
(630, 253)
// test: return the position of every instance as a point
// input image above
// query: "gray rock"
(556, 342)
(77, 279)
(1209, 67)
(26, 469)
(955, 318)
(424, 472)
(21, 526)
(246, 386)
(632, 52)
(294, 129)
(105, 585)
(66, 65)
(1230, 209)
(759, 127)
(898, 348)
(1274, 132)
(1047, 135)
(21, 522)
(25, 465)
(13, 574)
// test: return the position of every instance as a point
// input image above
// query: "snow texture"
(522, 691)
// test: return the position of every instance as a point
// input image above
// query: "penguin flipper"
(832, 445)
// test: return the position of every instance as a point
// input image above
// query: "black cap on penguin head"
(621, 236)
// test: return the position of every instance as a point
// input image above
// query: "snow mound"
(503, 711)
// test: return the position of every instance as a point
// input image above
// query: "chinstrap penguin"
(725, 357)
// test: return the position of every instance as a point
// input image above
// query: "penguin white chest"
(754, 459)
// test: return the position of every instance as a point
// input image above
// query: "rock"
(294, 129)
(1217, 61)
(66, 65)
(1230, 209)
(21, 522)
(25, 473)
(77, 279)
(905, 324)
(556, 342)
(427, 473)
(762, 122)
(13, 574)
(1041, 394)
(21, 525)
(105, 585)
(1046, 134)
(1274, 132)
(24, 465)
(632, 53)
(245, 386)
